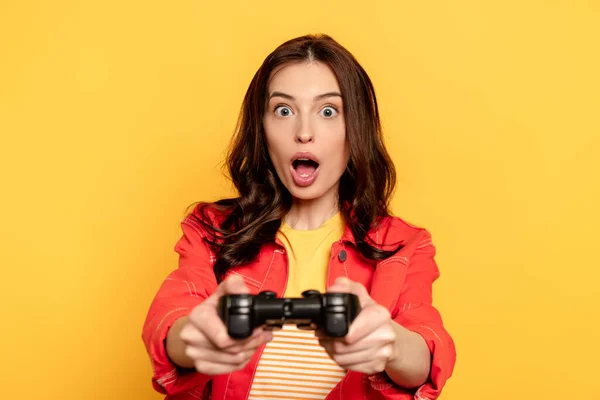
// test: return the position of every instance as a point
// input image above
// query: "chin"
(308, 193)
(305, 196)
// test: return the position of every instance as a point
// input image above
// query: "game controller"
(331, 312)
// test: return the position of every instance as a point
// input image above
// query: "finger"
(206, 320)
(320, 333)
(382, 354)
(368, 320)
(341, 285)
(367, 368)
(345, 285)
(259, 338)
(234, 284)
(210, 368)
(214, 356)
(339, 346)
(191, 335)
(362, 293)
(379, 338)
(195, 337)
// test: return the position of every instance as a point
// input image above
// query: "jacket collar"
(348, 236)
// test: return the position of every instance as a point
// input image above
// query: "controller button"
(335, 299)
(311, 293)
(240, 302)
(287, 308)
(267, 294)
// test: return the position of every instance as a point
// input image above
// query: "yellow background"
(114, 116)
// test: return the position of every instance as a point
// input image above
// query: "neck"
(311, 214)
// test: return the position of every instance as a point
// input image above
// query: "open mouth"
(305, 167)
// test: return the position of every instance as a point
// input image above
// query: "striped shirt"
(294, 366)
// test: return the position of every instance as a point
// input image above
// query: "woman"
(314, 182)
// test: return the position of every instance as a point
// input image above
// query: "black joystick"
(332, 312)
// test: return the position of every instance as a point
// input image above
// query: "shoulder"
(204, 215)
(393, 230)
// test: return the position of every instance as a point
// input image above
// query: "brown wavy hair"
(254, 217)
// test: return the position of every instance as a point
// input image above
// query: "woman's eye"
(283, 111)
(329, 112)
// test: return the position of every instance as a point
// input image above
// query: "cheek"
(276, 147)
(340, 148)
(276, 133)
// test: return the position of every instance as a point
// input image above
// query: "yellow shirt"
(308, 254)
(293, 365)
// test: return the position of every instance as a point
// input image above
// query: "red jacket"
(402, 283)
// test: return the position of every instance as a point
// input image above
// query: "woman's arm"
(411, 361)
(176, 346)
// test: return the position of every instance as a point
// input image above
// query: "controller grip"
(335, 325)
(339, 312)
(236, 313)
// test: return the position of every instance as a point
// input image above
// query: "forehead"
(305, 78)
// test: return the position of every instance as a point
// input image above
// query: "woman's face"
(305, 129)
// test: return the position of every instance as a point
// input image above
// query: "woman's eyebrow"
(328, 94)
(319, 97)
(281, 94)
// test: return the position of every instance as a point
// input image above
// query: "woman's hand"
(371, 340)
(208, 347)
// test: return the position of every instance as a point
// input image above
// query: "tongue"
(305, 168)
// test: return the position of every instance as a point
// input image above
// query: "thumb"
(234, 284)
(345, 285)
(341, 285)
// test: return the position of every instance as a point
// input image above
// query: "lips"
(305, 168)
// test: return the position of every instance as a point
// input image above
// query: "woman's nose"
(305, 133)
(304, 137)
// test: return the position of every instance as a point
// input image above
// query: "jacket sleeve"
(184, 288)
(416, 313)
